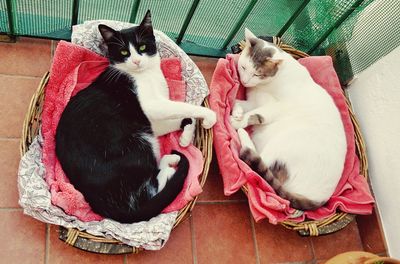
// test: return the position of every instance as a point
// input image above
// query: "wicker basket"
(83, 240)
(340, 219)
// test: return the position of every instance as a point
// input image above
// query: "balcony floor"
(196, 240)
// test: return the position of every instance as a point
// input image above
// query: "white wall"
(375, 95)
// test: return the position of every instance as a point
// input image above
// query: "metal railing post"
(292, 18)
(75, 12)
(187, 21)
(10, 15)
(134, 12)
(239, 24)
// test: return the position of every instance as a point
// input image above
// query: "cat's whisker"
(119, 40)
(117, 43)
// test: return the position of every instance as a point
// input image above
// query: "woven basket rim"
(340, 219)
(31, 124)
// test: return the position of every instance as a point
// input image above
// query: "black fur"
(100, 146)
(185, 122)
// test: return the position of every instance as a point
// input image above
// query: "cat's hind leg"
(245, 139)
(166, 169)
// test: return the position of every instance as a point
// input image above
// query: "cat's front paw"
(210, 120)
(187, 135)
(236, 124)
(237, 112)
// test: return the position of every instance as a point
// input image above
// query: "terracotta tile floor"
(220, 229)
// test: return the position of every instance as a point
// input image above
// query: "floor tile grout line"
(359, 235)
(221, 202)
(52, 49)
(125, 258)
(10, 209)
(312, 250)
(10, 138)
(298, 262)
(20, 76)
(192, 235)
(253, 231)
(47, 245)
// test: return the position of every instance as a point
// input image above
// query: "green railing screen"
(354, 32)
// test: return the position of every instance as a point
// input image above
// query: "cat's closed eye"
(243, 68)
(257, 75)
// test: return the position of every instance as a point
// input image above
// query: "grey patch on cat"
(262, 58)
(256, 119)
(276, 175)
(253, 160)
(279, 171)
(300, 202)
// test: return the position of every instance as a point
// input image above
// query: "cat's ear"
(145, 26)
(272, 64)
(276, 62)
(251, 39)
(146, 22)
(106, 32)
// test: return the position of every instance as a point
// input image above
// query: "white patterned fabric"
(34, 192)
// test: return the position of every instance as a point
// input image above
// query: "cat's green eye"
(142, 47)
(124, 52)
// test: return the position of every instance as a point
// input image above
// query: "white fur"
(302, 127)
(154, 143)
(166, 171)
(152, 90)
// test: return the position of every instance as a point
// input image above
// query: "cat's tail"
(167, 195)
(276, 176)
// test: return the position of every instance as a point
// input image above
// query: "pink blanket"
(73, 69)
(352, 194)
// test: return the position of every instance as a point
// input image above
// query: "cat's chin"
(130, 70)
(248, 85)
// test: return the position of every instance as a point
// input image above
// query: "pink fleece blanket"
(73, 69)
(352, 194)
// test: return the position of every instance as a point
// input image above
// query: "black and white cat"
(106, 139)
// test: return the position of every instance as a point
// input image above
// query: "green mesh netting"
(3, 17)
(355, 33)
(92, 10)
(371, 32)
(168, 18)
(267, 18)
(209, 27)
(44, 18)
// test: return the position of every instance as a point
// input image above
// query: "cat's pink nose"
(136, 62)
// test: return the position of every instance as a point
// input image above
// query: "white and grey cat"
(298, 144)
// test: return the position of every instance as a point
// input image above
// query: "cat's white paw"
(210, 120)
(173, 160)
(237, 112)
(187, 135)
(170, 160)
(236, 124)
